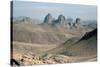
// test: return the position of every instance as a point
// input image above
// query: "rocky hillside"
(52, 41)
(50, 31)
(85, 46)
(44, 33)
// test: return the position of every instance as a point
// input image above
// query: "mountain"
(85, 46)
(48, 18)
(23, 19)
(53, 41)
(60, 20)
(44, 33)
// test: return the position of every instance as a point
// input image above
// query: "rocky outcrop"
(35, 59)
(69, 23)
(61, 19)
(48, 18)
(76, 24)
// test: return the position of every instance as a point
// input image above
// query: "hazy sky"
(37, 10)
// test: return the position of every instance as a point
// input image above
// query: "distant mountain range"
(69, 22)
(23, 19)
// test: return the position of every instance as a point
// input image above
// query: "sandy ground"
(30, 54)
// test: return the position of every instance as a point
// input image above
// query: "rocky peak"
(77, 22)
(61, 19)
(48, 18)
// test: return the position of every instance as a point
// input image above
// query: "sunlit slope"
(42, 34)
(85, 46)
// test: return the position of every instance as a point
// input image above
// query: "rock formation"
(61, 19)
(48, 18)
(69, 23)
(76, 23)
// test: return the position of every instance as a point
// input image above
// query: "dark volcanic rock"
(61, 19)
(77, 22)
(48, 18)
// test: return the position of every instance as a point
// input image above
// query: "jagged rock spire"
(77, 20)
(61, 19)
(48, 18)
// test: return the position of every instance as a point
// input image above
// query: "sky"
(38, 10)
